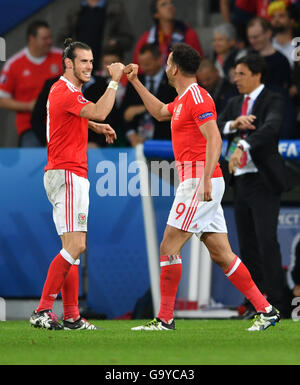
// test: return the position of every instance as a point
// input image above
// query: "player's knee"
(81, 247)
(164, 247)
(77, 247)
(222, 259)
(170, 246)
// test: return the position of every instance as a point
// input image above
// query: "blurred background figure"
(139, 124)
(23, 77)
(240, 12)
(294, 93)
(283, 20)
(220, 88)
(225, 50)
(167, 30)
(260, 32)
(99, 23)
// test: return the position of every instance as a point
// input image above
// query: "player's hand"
(205, 190)
(131, 70)
(235, 160)
(105, 129)
(30, 105)
(116, 71)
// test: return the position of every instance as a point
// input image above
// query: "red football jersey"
(67, 131)
(189, 111)
(23, 77)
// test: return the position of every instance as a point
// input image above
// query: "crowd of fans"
(262, 26)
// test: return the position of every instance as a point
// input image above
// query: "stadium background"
(115, 273)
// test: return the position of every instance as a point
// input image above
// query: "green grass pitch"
(195, 342)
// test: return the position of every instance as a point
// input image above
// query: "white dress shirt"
(249, 167)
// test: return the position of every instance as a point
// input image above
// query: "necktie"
(244, 112)
(245, 105)
(151, 85)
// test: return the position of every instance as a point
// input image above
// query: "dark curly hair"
(256, 64)
(186, 58)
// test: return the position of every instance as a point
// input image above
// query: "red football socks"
(240, 277)
(69, 292)
(57, 272)
(171, 268)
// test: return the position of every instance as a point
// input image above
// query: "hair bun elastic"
(67, 42)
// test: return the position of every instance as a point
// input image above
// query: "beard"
(279, 29)
(170, 81)
(78, 77)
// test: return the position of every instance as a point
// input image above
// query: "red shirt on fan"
(189, 111)
(23, 77)
(257, 7)
(67, 131)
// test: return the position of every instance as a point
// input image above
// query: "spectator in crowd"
(23, 77)
(259, 31)
(240, 12)
(283, 20)
(279, 73)
(139, 124)
(220, 88)
(294, 92)
(167, 30)
(99, 23)
(92, 91)
(251, 121)
(225, 50)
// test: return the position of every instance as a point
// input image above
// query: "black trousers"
(256, 214)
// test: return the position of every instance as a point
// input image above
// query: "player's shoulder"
(63, 85)
(63, 91)
(15, 60)
(198, 95)
(59, 89)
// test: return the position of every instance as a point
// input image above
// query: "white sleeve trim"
(227, 130)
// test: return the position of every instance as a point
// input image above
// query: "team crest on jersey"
(82, 99)
(26, 72)
(177, 112)
(81, 218)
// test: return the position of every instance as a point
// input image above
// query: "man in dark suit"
(252, 122)
(219, 88)
(139, 124)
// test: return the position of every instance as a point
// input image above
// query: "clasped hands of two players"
(116, 71)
